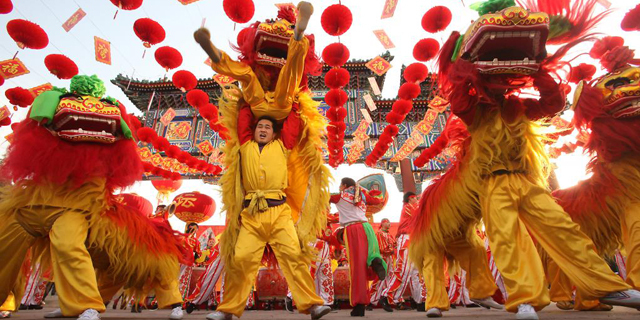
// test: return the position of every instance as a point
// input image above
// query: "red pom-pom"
(409, 91)
(197, 98)
(391, 130)
(631, 20)
(335, 54)
(209, 111)
(183, 157)
(162, 144)
(415, 72)
(601, 46)
(436, 19)
(61, 66)
(184, 80)
(168, 57)
(336, 98)
(336, 78)
(173, 152)
(336, 19)
(402, 106)
(5, 122)
(617, 58)
(149, 31)
(239, 11)
(426, 49)
(1, 80)
(146, 134)
(127, 4)
(27, 34)
(147, 167)
(336, 114)
(340, 126)
(5, 6)
(395, 118)
(175, 176)
(134, 122)
(582, 72)
(19, 96)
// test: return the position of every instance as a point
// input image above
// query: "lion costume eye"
(617, 82)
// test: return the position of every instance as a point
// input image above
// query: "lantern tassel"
(143, 53)
(15, 55)
(115, 15)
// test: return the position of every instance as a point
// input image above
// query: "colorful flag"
(73, 20)
(36, 91)
(384, 39)
(12, 68)
(389, 8)
(103, 50)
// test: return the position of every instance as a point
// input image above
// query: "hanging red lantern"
(1, 80)
(168, 57)
(61, 66)
(336, 78)
(165, 188)
(336, 19)
(136, 202)
(631, 20)
(5, 121)
(5, 6)
(583, 71)
(27, 34)
(19, 96)
(149, 31)
(426, 49)
(197, 98)
(239, 11)
(436, 19)
(335, 54)
(193, 207)
(127, 4)
(184, 80)
(415, 72)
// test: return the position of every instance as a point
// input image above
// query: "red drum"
(341, 283)
(271, 284)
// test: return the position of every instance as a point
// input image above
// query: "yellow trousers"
(472, 258)
(631, 238)
(273, 226)
(511, 208)
(73, 271)
(560, 288)
(167, 292)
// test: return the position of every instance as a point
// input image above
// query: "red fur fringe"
(36, 154)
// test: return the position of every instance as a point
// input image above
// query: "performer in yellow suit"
(271, 182)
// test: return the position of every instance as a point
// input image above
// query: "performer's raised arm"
(291, 130)
(245, 125)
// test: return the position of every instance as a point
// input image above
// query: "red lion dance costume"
(607, 205)
(65, 162)
(502, 176)
(274, 193)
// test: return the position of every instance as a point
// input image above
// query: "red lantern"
(193, 207)
(5, 6)
(168, 57)
(436, 19)
(127, 4)
(184, 80)
(165, 188)
(415, 72)
(336, 19)
(239, 11)
(27, 34)
(197, 98)
(149, 31)
(136, 202)
(335, 54)
(426, 49)
(336, 78)
(19, 96)
(631, 20)
(1, 80)
(61, 66)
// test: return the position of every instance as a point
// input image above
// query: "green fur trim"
(88, 86)
(44, 106)
(491, 6)
(112, 100)
(456, 50)
(558, 25)
(125, 129)
(60, 89)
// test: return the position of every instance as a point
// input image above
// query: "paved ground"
(550, 313)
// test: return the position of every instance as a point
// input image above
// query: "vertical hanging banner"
(103, 50)
(73, 20)
(359, 137)
(168, 116)
(12, 68)
(369, 101)
(389, 9)
(384, 39)
(374, 86)
(36, 91)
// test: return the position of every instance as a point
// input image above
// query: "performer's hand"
(305, 10)
(203, 38)
(202, 35)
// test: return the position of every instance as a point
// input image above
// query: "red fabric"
(37, 155)
(386, 243)
(291, 130)
(405, 219)
(360, 273)
(245, 125)
(335, 198)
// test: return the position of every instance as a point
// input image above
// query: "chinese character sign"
(4, 112)
(384, 39)
(103, 50)
(205, 147)
(12, 68)
(223, 80)
(36, 91)
(168, 116)
(378, 65)
(389, 8)
(73, 20)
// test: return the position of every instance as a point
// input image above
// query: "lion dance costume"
(502, 175)
(68, 157)
(278, 191)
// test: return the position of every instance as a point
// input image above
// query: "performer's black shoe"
(413, 303)
(35, 307)
(369, 307)
(288, 304)
(402, 306)
(190, 307)
(23, 307)
(420, 307)
(358, 310)
(385, 304)
(378, 266)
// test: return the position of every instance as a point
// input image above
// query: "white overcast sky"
(180, 21)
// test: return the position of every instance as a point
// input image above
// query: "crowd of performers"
(61, 220)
